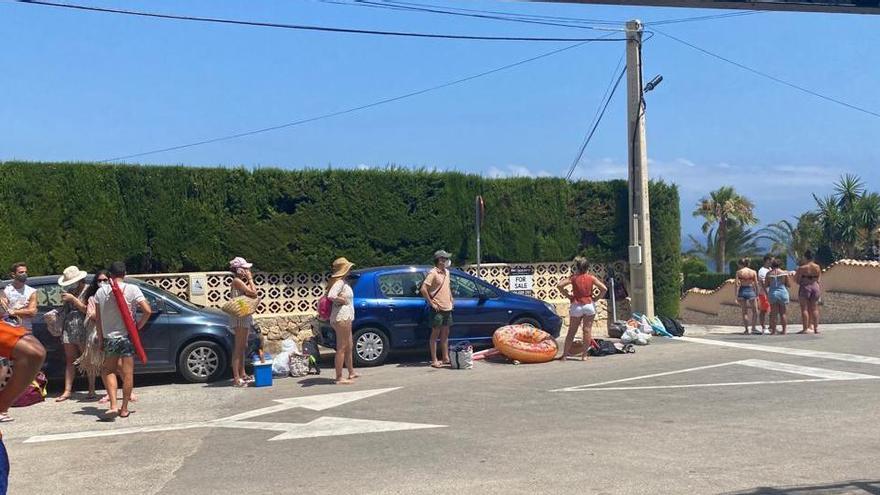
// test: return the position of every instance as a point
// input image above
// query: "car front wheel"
(527, 321)
(371, 347)
(202, 361)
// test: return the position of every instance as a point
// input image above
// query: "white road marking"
(816, 374)
(321, 427)
(804, 370)
(852, 358)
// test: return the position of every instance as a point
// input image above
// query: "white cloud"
(515, 171)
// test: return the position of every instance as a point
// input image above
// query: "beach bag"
(299, 365)
(5, 372)
(616, 329)
(603, 348)
(53, 323)
(461, 357)
(672, 326)
(35, 392)
(325, 308)
(241, 306)
(658, 327)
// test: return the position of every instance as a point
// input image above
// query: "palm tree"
(724, 208)
(792, 238)
(740, 243)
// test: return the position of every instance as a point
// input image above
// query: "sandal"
(6, 418)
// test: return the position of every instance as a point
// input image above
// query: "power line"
(309, 28)
(598, 118)
(527, 18)
(346, 111)
(770, 77)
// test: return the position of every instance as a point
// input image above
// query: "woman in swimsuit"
(807, 277)
(777, 294)
(746, 287)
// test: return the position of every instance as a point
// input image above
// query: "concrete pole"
(641, 279)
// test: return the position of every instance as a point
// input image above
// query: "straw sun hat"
(71, 275)
(341, 267)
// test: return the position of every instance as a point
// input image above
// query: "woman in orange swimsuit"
(807, 277)
(746, 288)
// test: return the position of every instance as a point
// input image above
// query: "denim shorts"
(747, 292)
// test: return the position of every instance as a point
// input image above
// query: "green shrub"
(708, 281)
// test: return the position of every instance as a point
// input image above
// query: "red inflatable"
(128, 320)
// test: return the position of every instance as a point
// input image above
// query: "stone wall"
(850, 294)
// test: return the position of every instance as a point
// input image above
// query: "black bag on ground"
(672, 326)
(616, 329)
(605, 348)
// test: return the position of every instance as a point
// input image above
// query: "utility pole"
(641, 278)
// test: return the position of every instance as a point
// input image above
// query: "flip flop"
(62, 398)
(5, 418)
(127, 414)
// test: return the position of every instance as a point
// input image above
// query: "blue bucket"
(263, 374)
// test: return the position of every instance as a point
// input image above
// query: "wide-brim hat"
(341, 267)
(441, 254)
(71, 275)
(239, 262)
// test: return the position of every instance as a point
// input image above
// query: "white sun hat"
(71, 275)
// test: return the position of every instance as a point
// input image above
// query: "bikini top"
(774, 277)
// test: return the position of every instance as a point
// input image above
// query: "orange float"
(525, 343)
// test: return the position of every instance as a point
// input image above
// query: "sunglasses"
(103, 280)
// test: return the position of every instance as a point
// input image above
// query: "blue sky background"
(88, 86)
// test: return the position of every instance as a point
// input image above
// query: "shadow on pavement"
(838, 488)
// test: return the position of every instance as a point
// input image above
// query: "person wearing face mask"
(19, 300)
(73, 326)
(436, 289)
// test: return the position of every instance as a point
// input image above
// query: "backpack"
(672, 326)
(325, 307)
(35, 392)
(616, 329)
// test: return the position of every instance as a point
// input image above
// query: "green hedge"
(168, 219)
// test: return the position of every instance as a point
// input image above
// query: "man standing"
(436, 289)
(19, 299)
(113, 336)
(763, 300)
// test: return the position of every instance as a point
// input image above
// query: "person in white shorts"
(582, 310)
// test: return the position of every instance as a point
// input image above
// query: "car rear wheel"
(527, 320)
(202, 361)
(371, 347)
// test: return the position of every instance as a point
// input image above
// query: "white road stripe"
(655, 375)
(805, 370)
(852, 358)
(696, 385)
(110, 433)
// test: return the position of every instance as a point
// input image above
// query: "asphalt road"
(797, 415)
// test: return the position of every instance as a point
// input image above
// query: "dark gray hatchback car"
(180, 337)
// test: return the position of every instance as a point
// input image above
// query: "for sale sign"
(521, 281)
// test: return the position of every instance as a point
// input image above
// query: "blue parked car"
(390, 313)
(180, 337)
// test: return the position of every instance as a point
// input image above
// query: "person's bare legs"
(573, 325)
(343, 348)
(444, 344)
(774, 308)
(814, 315)
(782, 317)
(127, 384)
(238, 349)
(763, 317)
(588, 335)
(743, 306)
(28, 355)
(109, 377)
(349, 352)
(753, 306)
(432, 346)
(71, 352)
(805, 313)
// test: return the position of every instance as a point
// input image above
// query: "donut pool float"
(525, 343)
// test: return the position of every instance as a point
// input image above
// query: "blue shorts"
(778, 296)
(747, 292)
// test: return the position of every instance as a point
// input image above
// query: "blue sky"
(89, 86)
